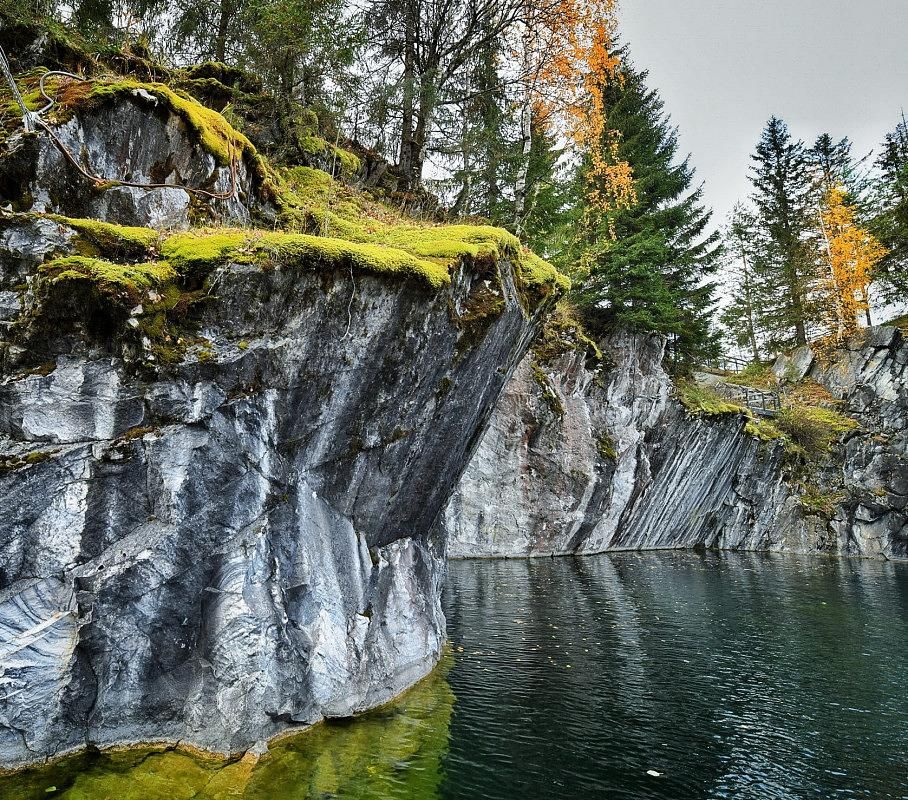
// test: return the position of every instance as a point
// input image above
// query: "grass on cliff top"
(808, 432)
(756, 376)
(311, 199)
(814, 429)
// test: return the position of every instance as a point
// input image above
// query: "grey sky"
(724, 67)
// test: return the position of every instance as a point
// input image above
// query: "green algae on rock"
(358, 758)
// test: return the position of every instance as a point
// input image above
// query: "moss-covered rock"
(122, 282)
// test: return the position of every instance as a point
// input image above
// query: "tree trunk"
(405, 157)
(520, 190)
(220, 42)
(748, 297)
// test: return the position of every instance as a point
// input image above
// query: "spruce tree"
(785, 199)
(832, 163)
(891, 221)
(650, 266)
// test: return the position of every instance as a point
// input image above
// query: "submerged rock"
(585, 458)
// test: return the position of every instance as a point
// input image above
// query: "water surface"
(669, 675)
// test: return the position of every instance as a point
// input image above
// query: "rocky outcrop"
(869, 375)
(586, 458)
(242, 545)
(133, 136)
(219, 473)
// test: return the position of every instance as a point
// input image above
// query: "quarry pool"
(664, 675)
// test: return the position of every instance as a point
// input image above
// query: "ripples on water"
(731, 676)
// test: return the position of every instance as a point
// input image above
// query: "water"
(635, 676)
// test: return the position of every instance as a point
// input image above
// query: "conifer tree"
(650, 265)
(832, 163)
(890, 223)
(743, 315)
(784, 197)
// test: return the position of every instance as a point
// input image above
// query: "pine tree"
(784, 196)
(832, 162)
(891, 221)
(650, 265)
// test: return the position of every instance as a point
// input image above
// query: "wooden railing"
(767, 404)
(727, 364)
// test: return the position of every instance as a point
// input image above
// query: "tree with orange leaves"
(849, 255)
(566, 56)
(646, 257)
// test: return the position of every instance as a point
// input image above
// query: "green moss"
(137, 433)
(607, 447)
(206, 249)
(214, 133)
(203, 249)
(314, 144)
(334, 210)
(118, 281)
(113, 240)
(539, 276)
(562, 331)
(12, 463)
(444, 386)
(702, 401)
(549, 395)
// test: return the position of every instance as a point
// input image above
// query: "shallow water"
(731, 676)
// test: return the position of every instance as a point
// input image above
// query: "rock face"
(587, 460)
(221, 550)
(135, 137)
(870, 375)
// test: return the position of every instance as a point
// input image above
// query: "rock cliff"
(584, 457)
(222, 451)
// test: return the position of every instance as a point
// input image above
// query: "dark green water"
(731, 676)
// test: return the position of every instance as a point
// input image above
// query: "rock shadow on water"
(394, 751)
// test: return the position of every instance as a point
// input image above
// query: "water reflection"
(729, 675)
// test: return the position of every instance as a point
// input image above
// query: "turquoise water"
(670, 675)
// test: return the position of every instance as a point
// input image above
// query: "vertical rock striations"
(586, 459)
(222, 451)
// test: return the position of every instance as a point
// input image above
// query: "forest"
(533, 115)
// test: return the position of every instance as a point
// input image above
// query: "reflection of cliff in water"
(730, 674)
(395, 751)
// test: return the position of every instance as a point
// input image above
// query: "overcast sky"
(724, 67)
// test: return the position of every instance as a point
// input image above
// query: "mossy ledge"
(196, 251)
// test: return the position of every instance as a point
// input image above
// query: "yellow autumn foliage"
(851, 255)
